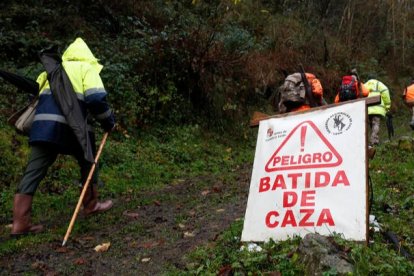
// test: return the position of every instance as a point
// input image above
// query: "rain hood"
(79, 51)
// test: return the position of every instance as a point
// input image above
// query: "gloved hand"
(109, 127)
(108, 124)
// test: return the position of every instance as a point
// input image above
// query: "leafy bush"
(14, 152)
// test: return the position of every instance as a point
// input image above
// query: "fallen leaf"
(146, 260)
(150, 244)
(220, 210)
(102, 247)
(189, 234)
(182, 226)
(225, 271)
(62, 249)
(217, 189)
(204, 193)
(178, 181)
(156, 202)
(130, 214)
(133, 244)
(79, 261)
(274, 273)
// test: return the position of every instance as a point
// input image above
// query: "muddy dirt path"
(145, 239)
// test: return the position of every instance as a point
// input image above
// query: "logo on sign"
(338, 123)
(293, 153)
(269, 132)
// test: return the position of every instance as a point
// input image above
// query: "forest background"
(177, 60)
(173, 68)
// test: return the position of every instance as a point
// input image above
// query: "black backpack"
(348, 90)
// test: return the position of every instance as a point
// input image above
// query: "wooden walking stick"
(85, 187)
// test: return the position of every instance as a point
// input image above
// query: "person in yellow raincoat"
(379, 111)
(51, 134)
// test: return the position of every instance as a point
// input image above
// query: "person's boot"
(91, 205)
(22, 208)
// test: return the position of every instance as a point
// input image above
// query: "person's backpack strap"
(308, 88)
(359, 87)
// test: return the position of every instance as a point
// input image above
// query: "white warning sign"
(309, 175)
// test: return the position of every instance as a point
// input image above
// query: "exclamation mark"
(302, 138)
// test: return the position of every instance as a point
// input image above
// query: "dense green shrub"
(14, 152)
(174, 61)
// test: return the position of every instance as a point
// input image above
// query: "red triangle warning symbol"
(305, 147)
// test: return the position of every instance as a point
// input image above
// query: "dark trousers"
(42, 156)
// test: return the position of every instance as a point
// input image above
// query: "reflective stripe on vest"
(56, 118)
(47, 91)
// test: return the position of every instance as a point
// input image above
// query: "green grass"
(227, 253)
